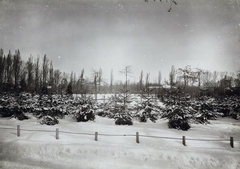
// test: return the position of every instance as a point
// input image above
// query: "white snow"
(41, 150)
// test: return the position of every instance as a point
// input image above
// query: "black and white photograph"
(119, 84)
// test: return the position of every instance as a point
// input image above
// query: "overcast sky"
(111, 34)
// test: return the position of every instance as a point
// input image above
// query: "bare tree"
(198, 74)
(56, 78)
(111, 81)
(64, 81)
(36, 73)
(223, 74)
(9, 68)
(172, 78)
(71, 77)
(81, 81)
(2, 66)
(173, 91)
(23, 75)
(95, 82)
(30, 72)
(126, 71)
(214, 78)
(45, 65)
(186, 74)
(99, 79)
(159, 80)
(207, 79)
(17, 63)
(141, 81)
(147, 83)
(51, 80)
(237, 80)
(74, 83)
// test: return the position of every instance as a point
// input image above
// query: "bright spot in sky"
(59, 57)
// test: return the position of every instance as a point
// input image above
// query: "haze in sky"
(111, 34)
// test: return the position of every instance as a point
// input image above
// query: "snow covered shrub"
(47, 111)
(178, 119)
(147, 111)
(101, 113)
(225, 110)
(205, 113)
(142, 116)
(108, 109)
(235, 111)
(123, 119)
(179, 124)
(115, 105)
(18, 114)
(49, 120)
(84, 116)
(6, 111)
(85, 111)
(121, 115)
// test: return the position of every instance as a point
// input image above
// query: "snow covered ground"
(40, 149)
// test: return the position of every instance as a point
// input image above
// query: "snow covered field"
(40, 149)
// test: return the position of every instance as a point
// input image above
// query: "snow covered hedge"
(199, 110)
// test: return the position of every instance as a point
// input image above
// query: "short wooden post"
(137, 137)
(96, 136)
(231, 142)
(184, 140)
(18, 130)
(57, 133)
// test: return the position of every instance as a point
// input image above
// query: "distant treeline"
(37, 75)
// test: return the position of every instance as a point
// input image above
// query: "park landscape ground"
(207, 145)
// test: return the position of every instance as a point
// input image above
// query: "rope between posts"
(37, 130)
(206, 139)
(161, 137)
(8, 128)
(116, 135)
(67, 132)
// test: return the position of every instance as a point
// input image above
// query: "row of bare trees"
(200, 80)
(36, 75)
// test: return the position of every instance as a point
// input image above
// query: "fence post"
(137, 137)
(18, 130)
(184, 140)
(96, 136)
(57, 133)
(231, 142)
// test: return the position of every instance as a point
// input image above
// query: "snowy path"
(41, 150)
